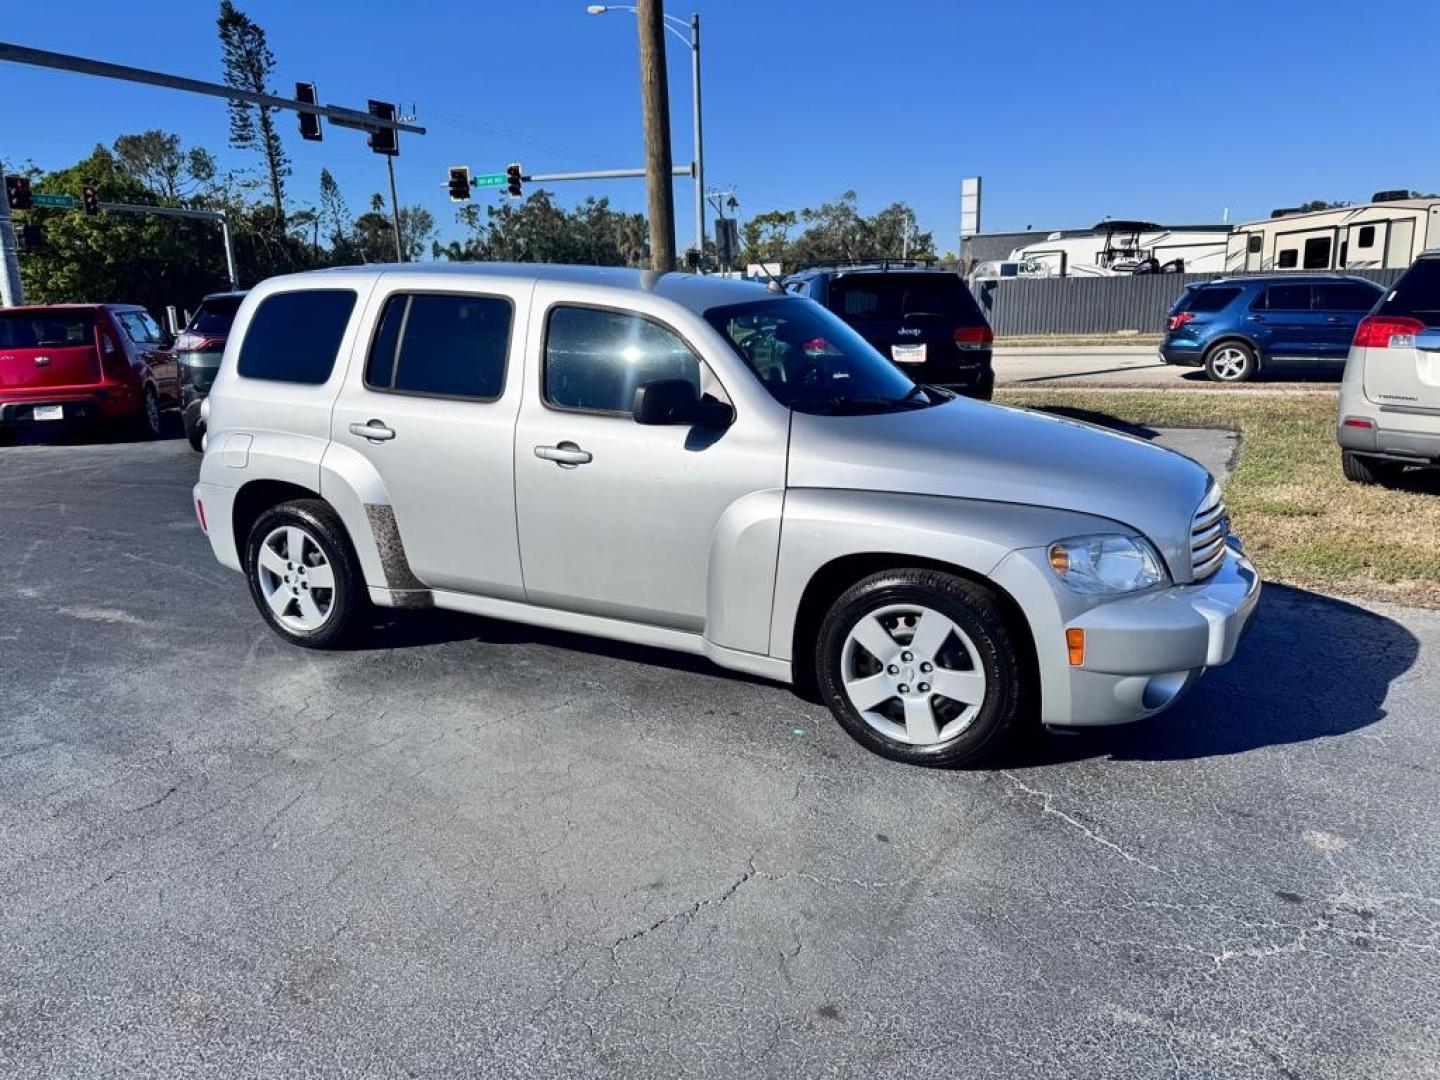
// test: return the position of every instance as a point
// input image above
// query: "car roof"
(1288, 279)
(689, 290)
(885, 267)
(75, 307)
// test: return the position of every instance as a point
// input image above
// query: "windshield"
(46, 329)
(811, 361)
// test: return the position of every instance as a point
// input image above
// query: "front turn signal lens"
(1075, 646)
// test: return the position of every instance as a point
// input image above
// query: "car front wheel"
(303, 575)
(1231, 362)
(919, 666)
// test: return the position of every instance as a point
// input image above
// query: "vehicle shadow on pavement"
(171, 427)
(1311, 667)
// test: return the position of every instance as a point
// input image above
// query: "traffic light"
(309, 121)
(32, 237)
(460, 183)
(17, 190)
(384, 140)
(90, 199)
(513, 180)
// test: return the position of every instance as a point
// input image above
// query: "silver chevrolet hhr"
(703, 465)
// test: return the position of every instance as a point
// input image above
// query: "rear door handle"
(374, 430)
(565, 454)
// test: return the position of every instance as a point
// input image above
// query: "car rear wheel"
(1230, 362)
(919, 666)
(1368, 470)
(147, 421)
(303, 574)
(194, 431)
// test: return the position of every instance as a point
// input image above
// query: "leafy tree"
(157, 160)
(838, 232)
(248, 65)
(766, 237)
(539, 231)
(115, 257)
(374, 233)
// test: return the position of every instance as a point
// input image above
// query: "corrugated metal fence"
(1096, 305)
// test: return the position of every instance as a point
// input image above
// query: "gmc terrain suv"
(703, 465)
(1390, 396)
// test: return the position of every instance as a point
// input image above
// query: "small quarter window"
(293, 336)
(595, 360)
(441, 344)
(1288, 259)
(1366, 239)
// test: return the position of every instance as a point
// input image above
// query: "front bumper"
(1141, 652)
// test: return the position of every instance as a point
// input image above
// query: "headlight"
(1106, 565)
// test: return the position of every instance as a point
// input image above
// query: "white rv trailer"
(1123, 247)
(1384, 233)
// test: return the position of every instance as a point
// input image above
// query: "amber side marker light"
(1075, 646)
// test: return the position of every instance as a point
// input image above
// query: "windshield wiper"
(838, 402)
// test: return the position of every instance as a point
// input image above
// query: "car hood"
(975, 450)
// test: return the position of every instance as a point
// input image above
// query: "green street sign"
(494, 179)
(64, 202)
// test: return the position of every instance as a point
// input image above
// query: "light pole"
(678, 27)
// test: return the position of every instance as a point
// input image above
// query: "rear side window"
(595, 359)
(894, 296)
(43, 329)
(1345, 296)
(442, 344)
(215, 316)
(1416, 294)
(1284, 298)
(1205, 300)
(293, 336)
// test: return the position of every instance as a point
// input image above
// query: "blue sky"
(1169, 110)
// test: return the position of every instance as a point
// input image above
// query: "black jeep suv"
(925, 321)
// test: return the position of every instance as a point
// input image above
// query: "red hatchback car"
(107, 364)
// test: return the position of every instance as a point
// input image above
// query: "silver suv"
(703, 465)
(1390, 396)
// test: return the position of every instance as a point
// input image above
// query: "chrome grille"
(1207, 536)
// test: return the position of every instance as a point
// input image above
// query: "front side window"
(812, 361)
(596, 359)
(141, 328)
(441, 344)
(294, 336)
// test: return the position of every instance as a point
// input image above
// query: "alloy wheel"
(913, 675)
(296, 579)
(1230, 364)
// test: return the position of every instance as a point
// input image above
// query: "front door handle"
(565, 454)
(374, 430)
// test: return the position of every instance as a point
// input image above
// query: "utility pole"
(394, 211)
(12, 294)
(655, 101)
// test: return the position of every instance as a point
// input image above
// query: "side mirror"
(675, 401)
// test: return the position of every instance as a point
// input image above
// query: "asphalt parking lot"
(474, 849)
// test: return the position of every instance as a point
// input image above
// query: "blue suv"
(1238, 327)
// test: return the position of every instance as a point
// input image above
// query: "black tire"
(349, 603)
(146, 423)
(974, 610)
(1368, 470)
(194, 432)
(1220, 362)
